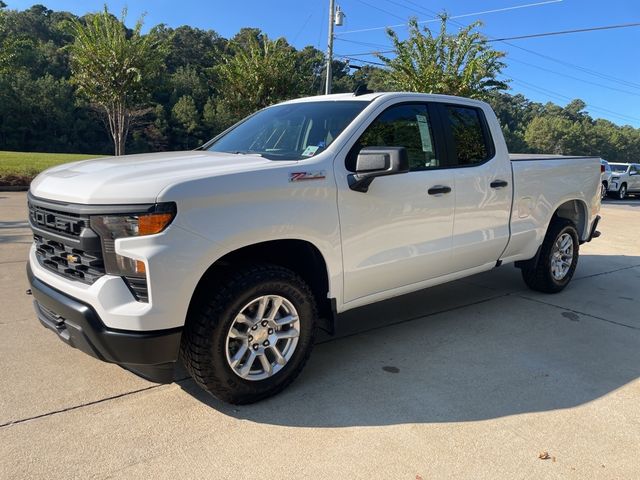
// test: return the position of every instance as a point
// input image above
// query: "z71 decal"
(302, 176)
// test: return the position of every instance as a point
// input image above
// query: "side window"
(470, 138)
(406, 125)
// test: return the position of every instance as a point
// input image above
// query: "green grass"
(19, 168)
(25, 163)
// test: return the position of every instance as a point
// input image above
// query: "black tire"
(537, 274)
(603, 192)
(622, 192)
(203, 346)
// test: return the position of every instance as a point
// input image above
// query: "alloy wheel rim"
(562, 256)
(262, 337)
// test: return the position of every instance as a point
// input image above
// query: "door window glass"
(406, 125)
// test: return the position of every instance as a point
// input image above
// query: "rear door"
(483, 189)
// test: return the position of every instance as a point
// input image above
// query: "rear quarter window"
(470, 136)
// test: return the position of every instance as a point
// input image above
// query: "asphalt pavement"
(480, 379)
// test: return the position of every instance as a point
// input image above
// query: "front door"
(397, 234)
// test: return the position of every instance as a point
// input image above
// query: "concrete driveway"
(474, 379)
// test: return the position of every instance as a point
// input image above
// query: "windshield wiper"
(247, 152)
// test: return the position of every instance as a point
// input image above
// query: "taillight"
(601, 168)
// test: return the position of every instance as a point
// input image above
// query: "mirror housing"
(375, 162)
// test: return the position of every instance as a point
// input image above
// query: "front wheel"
(557, 261)
(252, 337)
(622, 193)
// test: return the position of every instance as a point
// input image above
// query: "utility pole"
(327, 88)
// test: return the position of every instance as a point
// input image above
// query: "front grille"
(65, 244)
(57, 222)
(67, 261)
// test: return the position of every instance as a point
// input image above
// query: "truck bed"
(523, 157)
(539, 188)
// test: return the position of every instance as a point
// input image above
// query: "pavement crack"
(76, 407)
(608, 272)
(567, 309)
(13, 261)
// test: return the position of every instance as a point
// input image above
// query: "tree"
(455, 64)
(186, 113)
(256, 73)
(550, 134)
(7, 44)
(113, 69)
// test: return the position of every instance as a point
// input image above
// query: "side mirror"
(633, 172)
(375, 162)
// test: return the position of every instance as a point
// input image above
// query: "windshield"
(619, 168)
(292, 131)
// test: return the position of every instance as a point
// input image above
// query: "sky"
(600, 67)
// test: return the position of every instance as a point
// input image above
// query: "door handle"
(438, 190)
(498, 184)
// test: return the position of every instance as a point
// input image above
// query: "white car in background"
(625, 179)
(605, 176)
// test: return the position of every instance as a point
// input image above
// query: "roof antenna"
(361, 90)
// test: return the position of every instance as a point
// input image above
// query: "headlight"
(112, 227)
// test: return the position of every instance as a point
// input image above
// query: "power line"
(545, 91)
(380, 9)
(566, 98)
(563, 32)
(535, 35)
(368, 44)
(432, 12)
(531, 86)
(511, 59)
(576, 67)
(361, 61)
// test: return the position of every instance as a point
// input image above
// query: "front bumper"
(150, 354)
(614, 185)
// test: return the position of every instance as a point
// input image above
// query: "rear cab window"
(470, 141)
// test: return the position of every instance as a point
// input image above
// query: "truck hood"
(137, 178)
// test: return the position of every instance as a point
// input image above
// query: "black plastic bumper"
(152, 355)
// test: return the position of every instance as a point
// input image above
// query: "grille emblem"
(73, 258)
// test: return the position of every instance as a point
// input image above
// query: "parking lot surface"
(478, 378)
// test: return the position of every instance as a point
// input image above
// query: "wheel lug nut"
(264, 323)
(255, 346)
(265, 343)
(270, 331)
(250, 338)
(255, 327)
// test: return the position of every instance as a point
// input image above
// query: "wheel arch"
(574, 210)
(300, 256)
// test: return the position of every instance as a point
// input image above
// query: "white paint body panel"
(392, 240)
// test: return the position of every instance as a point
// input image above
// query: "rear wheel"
(557, 261)
(622, 193)
(603, 191)
(252, 337)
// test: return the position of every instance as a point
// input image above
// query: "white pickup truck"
(229, 257)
